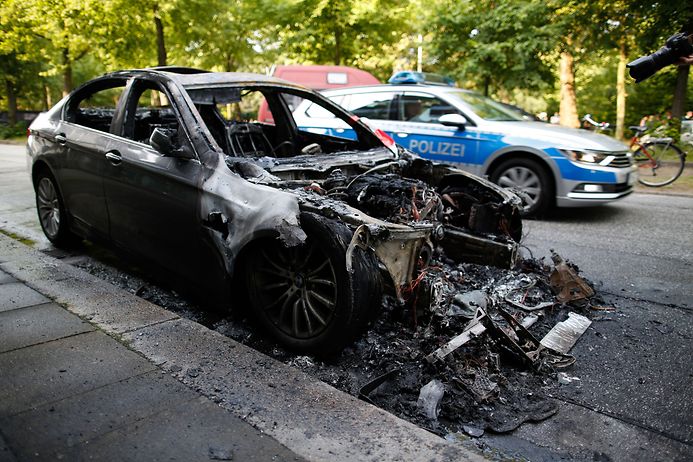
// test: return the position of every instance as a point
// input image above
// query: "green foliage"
(513, 52)
(496, 44)
(13, 131)
(355, 33)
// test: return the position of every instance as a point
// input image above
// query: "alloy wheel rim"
(298, 289)
(525, 180)
(48, 207)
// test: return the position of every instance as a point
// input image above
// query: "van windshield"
(486, 108)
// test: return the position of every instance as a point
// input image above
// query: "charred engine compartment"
(468, 218)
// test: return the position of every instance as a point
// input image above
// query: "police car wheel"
(527, 176)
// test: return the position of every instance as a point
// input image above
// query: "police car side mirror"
(453, 120)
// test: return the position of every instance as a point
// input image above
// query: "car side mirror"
(164, 140)
(453, 120)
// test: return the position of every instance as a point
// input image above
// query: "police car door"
(417, 128)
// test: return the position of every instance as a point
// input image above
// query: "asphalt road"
(634, 399)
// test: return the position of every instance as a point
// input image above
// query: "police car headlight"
(587, 157)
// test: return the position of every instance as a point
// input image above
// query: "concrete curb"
(309, 417)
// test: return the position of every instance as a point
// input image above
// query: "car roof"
(191, 77)
(403, 87)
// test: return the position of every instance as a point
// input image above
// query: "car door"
(418, 129)
(151, 197)
(84, 135)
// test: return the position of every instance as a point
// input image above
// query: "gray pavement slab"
(50, 430)
(37, 324)
(15, 295)
(99, 302)
(55, 370)
(5, 278)
(306, 415)
(211, 433)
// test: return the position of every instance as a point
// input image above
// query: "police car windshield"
(486, 108)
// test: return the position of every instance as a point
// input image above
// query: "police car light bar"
(411, 77)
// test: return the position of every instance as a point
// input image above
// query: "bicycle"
(660, 162)
(599, 127)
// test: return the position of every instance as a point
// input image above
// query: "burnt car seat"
(248, 140)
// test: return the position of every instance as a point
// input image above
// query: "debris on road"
(429, 398)
(426, 362)
(565, 282)
(564, 334)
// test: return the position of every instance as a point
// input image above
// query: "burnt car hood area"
(407, 271)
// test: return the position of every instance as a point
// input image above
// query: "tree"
(499, 45)
(348, 32)
(225, 35)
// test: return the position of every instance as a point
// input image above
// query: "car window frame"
(130, 98)
(471, 120)
(392, 105)
(81, 93)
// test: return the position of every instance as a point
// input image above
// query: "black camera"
(676, 46)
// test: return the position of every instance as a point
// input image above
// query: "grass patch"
(17, 237)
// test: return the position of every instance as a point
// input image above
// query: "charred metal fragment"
(474, 328)
(367, 389)
(517, 339)
(565, 282)
(462, 246)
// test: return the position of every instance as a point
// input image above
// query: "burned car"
(172, 165)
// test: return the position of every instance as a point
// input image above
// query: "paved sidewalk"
(91, 372)
(69, 391)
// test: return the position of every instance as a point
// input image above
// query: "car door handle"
(114, 157)
(61, 139)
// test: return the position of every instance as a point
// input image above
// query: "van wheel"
(304, 296)
(531, 179)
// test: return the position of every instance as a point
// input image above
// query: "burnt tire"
(51, 211)
(304, 296)
(530, 178)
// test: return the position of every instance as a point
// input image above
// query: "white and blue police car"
(552, 165)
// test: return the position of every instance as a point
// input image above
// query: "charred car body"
(171, 165)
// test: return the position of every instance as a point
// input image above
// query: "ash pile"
(476, 349)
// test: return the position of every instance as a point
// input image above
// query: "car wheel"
(531, 179)
(304, 296)
(51, 211)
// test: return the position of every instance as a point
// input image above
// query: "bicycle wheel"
(659, 163)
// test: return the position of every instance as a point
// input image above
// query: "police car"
(552, 165)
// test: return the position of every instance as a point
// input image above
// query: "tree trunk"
(621, 91)
(679, 105)
(160, 44)
(487, 85)
(67, 72)
(338, 46)
(568, 106)
(11, 102)
(47, 99)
